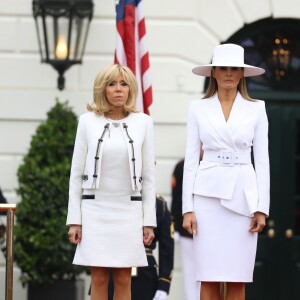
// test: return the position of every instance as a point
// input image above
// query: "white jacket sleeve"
(148, 177)
(191, 161)
(77, 169)
(261, 161)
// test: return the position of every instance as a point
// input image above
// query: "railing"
(10, 209)
(223, 290)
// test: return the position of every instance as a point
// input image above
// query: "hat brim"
(249, 70)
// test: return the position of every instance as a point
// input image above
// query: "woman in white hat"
(226, 199)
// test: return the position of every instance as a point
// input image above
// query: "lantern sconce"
(62, 28)
(281, 57)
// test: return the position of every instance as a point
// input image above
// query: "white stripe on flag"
(140, 11)
(143, 46)
(120, 51)
(147, 80)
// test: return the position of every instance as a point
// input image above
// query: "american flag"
(131, 48)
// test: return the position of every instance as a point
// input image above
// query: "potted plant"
(42, 250)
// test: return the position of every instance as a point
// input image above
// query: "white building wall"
(181, 35)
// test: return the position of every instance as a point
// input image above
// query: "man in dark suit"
(176, 204)
(153, 282)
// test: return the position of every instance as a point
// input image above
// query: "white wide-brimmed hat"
(228, 55)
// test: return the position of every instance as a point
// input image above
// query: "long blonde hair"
(103, 79)
(213, 88)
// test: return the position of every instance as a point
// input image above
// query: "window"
(273, 44)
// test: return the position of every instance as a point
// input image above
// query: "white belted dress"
(224, 190)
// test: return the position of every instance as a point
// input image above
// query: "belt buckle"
(227, 158)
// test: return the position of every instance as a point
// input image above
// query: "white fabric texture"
(225, 248)
(190, 284)
(112, 224)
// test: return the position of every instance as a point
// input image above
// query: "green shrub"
(42, 250)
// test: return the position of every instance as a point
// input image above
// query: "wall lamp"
(62, 29)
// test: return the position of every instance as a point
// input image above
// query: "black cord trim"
(106, 127)
(132, 150)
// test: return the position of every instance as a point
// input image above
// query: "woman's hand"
(258, 222)
(148, 235)
(74, 234)
(190, 222)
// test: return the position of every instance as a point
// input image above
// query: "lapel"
(225, 130)
(215, 115)
(238, 113)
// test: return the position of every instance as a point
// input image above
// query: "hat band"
(228, 62)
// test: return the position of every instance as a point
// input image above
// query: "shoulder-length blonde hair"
(213, 88)
(103, 79)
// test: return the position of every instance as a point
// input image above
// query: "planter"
(60, 290)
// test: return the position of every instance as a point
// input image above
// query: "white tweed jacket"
(92, 133)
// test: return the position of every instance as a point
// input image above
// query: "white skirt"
(112, 232)
(225, 249)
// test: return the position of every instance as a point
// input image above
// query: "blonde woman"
(111, 212)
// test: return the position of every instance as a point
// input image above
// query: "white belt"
(227, 158)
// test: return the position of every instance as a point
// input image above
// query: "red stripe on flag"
(145, 64)
(147, 97)
(142, 28)
(129, 39)
(121, 29)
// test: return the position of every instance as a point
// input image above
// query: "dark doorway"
(274, 44)
(277, 270)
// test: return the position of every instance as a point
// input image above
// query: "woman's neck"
(116, 114)
(227, 95)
